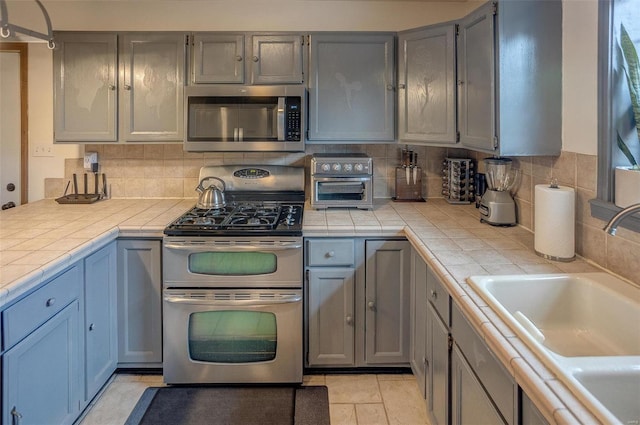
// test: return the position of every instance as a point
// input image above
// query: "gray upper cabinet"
(85, 83)
(510, 78)
(152, 85)
(111, 87)
(227, 58)
(351, 87)
(427, 85)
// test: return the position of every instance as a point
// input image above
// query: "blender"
(497, 206)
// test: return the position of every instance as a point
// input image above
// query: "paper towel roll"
(555, 215)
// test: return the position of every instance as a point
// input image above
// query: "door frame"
(23, 50)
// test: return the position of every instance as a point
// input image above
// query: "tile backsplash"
(166, 171)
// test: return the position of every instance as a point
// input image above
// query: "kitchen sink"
(571, 315)
(583, 326)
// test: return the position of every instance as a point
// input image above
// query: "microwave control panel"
(293, 131)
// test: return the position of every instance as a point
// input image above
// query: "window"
(613, 101)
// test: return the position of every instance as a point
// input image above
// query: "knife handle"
(75, 184)
(95, 183)
(85, 183)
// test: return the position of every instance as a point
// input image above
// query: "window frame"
(602, 207)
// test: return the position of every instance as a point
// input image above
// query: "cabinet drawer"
(439, 297)
(27, 314)
(330, 252)
(499, 385)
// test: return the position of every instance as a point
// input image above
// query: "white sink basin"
(572, 315)
(583, 326)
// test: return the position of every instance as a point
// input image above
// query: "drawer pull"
(371, 305)
(349, 320)
(50, 302)
(92, 327)
(331, 254)
(434, 294)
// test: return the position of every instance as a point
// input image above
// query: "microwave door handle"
(241, 134)
(235, 134)
(280, 117)
(203, 301)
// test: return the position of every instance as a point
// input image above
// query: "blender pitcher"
(497, 206)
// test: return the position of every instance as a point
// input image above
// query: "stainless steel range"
(232, 280)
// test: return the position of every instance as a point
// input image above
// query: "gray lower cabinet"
(100, 319)
(111, 87)
(357, 302)
(352, 87)
(495, 74)
(387, 297)
(41, 369)
(418, 320)
(139, 300)
(427, 85)
(331, 317)
(482, 391)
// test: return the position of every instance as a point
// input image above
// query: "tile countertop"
(40, 239)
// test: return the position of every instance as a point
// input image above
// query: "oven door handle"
(230, 248)
(203, 301)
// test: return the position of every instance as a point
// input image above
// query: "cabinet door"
(387, 296)
(529, 413)
(139, 303)
(40, 375)
(470, 404)
(476, 80)
(84, 75)
(437, 369)
(152, 85)
(277, 59)
(330, 309)
(351, 87)
(100, 324)
(217, 58)
(427, 85)
(418, 319)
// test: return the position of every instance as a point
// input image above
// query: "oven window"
(233, 263)
(340, 191)
(232, 336)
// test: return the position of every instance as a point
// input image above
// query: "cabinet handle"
(349, 320)
(460, 82)
(371, 305)
(50, 302)
(389, 87)
(112, 87)
(127, 87)
(331, 254)
(402, 86)
(16, 416)
(239, 58)
(255, 59)
(92, 327)
(434, 294)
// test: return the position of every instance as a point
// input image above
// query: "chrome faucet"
(612, 225)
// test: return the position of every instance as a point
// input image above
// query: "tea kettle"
(211, 196)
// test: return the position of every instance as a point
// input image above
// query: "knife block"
(411, 191)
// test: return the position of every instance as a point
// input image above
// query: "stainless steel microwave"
(244, 118)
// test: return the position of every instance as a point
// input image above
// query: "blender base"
(497, 208)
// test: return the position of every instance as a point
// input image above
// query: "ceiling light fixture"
(6, 29)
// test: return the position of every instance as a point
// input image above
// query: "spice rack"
(457, 180)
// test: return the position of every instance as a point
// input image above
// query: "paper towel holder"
(553, 184)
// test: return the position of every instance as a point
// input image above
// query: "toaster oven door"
(343, 192)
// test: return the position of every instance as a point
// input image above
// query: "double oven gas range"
(232, 282)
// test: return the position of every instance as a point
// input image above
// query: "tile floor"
(367, 399)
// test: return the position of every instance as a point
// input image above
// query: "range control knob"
(325, 167)
(348, 167)
(359, 167)
(337, 167)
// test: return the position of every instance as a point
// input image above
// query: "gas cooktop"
(241, 219)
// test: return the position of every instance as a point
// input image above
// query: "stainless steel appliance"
(497, 206)
(341, 180)
(232, 282)
(244, 118)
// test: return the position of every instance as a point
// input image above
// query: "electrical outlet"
(89, 159)
(43, 150)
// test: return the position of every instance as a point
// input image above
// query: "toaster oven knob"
(359, 167)
(325, 167)
(348, 167)
(337, 167)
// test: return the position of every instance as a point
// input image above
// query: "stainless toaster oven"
(341, 180)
